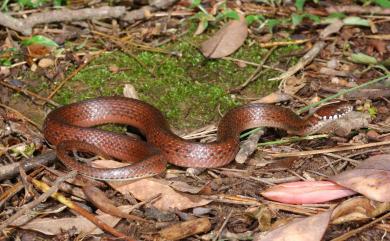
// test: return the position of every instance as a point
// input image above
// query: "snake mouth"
(340, 112)
(328, 114)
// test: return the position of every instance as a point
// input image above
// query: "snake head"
(328, 114)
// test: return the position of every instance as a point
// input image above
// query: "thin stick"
(21, 115)
(254, 75)
(29, 93)
(342, 92)
(77, 208)
(58, 87)
(336, 149)
(37, 201)
(223, 226)
(360, 229)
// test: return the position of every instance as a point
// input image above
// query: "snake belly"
(71, 128)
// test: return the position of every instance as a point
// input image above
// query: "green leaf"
(231, 14)
(299, 5)
(5, 62)
(353, 20)
(372, 111)
(58, 3)
(312, 17)
(361, 58)
(296, 19)
(39, 39)
(383, 3)
(254, 18)
(271, 23)
(195, 3)
(31, 3)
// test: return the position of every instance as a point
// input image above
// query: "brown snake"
(69, 128)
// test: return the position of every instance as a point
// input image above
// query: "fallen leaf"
(185, 229)
(306, 192)
(371, 178)
(185, 187)
(293, 84)
(149, 187)
(130, 91)
(99, 199)
(298, 230)
(45, 63)
(227, 40)
(51, 226)
(37, 50)
(357, 209)
(275, 97)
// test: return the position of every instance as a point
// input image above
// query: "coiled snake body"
(69, 127)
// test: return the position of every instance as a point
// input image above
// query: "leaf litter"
(213, 204)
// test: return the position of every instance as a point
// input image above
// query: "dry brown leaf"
(371, 178)
(185, 187)
(227, 40)
(130, 91)
(298, 230)
(99, 199)
(51, 226)
(357, 209)
(170, 199)
(275, 97)
(185, 229)
(293, 84)
(147, 188)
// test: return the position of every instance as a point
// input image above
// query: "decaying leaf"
(51, 226)
(371, 178)
(170, 199)
(298, 230)
(130, 91)
(147, 188)
(357, 209)
(185, 187)
(185, 229)
(99, 199)
(274, 97)
(227, 40)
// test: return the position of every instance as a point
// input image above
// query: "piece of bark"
(64, 15)
(11, 170)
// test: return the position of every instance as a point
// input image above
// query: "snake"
(73, 127)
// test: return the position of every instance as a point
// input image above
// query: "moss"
(189, 89)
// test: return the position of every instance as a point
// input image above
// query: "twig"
(358, 9)
(29, 93)
(223, 225)
(67, 202)
(292, 139)
(25, 26)
(21, 115)
(11, 170)
(342, 92)
(14, 189)
(360, 229)
(86, 61)
(119, 43)
(335, 149)
(254, 75)
(37, 201)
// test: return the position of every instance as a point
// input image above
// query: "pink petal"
(306, 192)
